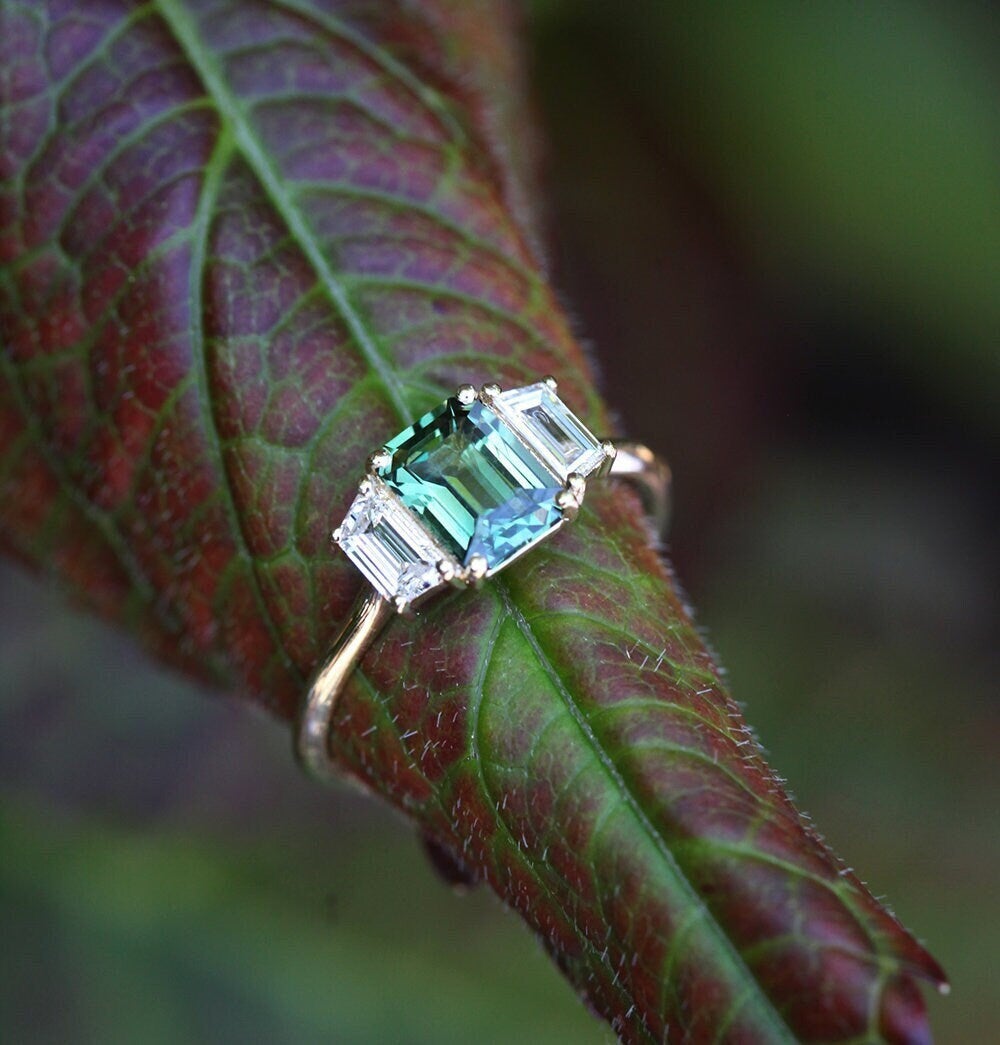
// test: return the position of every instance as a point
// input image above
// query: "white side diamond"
(553, 432)
(389, 546)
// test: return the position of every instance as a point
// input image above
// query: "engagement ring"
(462, 493)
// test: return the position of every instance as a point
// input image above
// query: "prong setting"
(567, 501)
(446, 570)
(610, 453)
(466, 394)
(476, 569)
(491, 390)
(570, 497)
(550, 382)
(379, 460)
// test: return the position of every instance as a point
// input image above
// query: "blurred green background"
(779, 226)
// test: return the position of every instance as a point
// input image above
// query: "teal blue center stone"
(474, 485)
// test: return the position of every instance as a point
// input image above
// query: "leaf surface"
(242, 243)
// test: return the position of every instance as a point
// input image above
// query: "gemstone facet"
(474, 484)
(389, 546)
(552, 430)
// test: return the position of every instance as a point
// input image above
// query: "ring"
(459, 495)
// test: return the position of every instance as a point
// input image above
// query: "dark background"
(778, 224)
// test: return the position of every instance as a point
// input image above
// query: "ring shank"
(369, 615)
(645, 470)
(633, 462)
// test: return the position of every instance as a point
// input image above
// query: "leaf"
(241, 244)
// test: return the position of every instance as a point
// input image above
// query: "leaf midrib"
(235, 119)
(632, 803)
(475, 731)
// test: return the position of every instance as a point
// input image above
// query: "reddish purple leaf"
(241, 243)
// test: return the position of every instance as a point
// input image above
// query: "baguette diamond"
(389, 546)
(551, 429)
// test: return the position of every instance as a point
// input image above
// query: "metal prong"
(490, 390)
(379, 460)
(446, 570)
(336, 535)
(476, 570)
(466, 394)
(365, 486)
(401, 604)
(551, 383)
(577, 485)
(610, 453)
(570, 506)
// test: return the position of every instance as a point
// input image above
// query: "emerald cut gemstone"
(474, 484)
